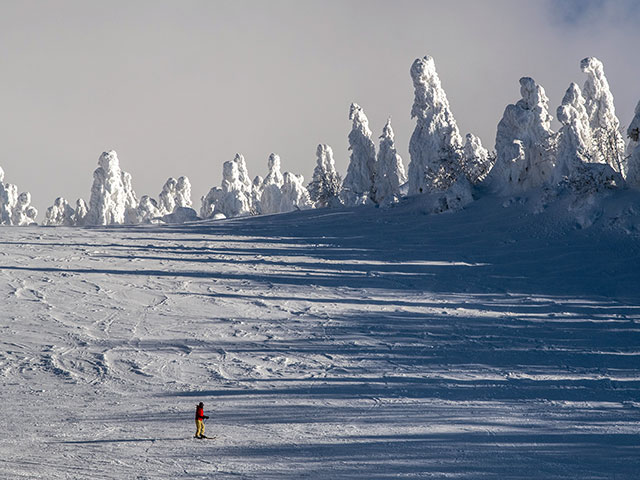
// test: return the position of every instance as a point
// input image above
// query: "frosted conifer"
(324, 188)
(436, 145)
(390, 174)
(358, 184)
(524, 142)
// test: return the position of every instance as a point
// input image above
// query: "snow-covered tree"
(282, 192)
(131, 201)
(15, 209)
(436, 145)
(149, 210)
(608, 143)
(183, 193)
(274, 175)
(210, 202)
(390, 174)
(575, 149)
(113, 200)
(295, 195)
(633, 165)
(8, 200)
(574, 144)
(60, 213)
(175, 193)
(325, 185)
(243, 174)
(167, 198)
(357, 188)
(271, 197)
(80, 213)
(477, 162)
(24, 213)
(234, 198)
(256, 194)
(524, 142)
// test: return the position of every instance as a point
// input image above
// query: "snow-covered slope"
(328, 344)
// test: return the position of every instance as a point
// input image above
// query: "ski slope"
(361, 343)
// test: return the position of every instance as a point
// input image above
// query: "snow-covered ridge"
(587, 155)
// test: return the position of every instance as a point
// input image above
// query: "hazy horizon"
(177, 88)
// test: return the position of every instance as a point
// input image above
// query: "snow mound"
(181, 215)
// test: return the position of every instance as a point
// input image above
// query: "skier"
(200, 417)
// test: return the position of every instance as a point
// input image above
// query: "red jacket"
(199, 413)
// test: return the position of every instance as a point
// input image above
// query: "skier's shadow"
(116, 440)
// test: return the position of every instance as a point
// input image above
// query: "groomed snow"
(362, 343)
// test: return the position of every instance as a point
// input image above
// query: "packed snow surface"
(326, 344)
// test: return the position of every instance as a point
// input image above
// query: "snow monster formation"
(476, 160)
(60, 214)
(574, 144)
(436, 145)
(175, 194)
(575, 149)
(15, 209)
(357, 188)
(81, 212)
(282, 192)
(234, 198)
(173, 205)
(608, 143)
(325, 185)
(524, 142)
(148, 210)
(271, 196)
(390, 174)
(295, 195)
(113, 201)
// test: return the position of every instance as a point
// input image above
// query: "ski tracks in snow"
(312, 362)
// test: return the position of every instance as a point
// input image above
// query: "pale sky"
(178, 87)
